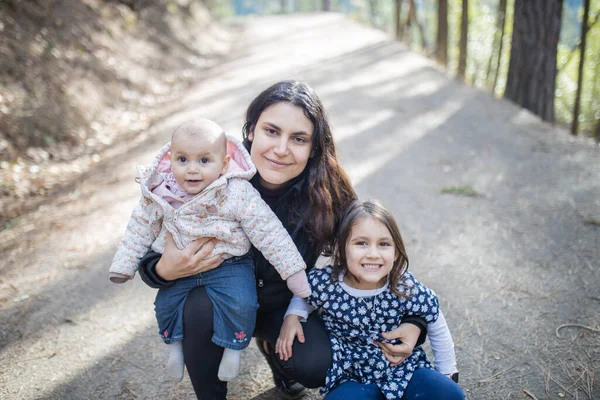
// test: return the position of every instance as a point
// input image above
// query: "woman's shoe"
(288, 388)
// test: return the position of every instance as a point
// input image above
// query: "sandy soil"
(514, 265)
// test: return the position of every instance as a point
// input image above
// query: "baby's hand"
(116, 277)
(298, 284)
(289, 330)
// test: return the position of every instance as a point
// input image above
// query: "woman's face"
(281, 144)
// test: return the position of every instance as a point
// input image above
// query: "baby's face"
(197, 161)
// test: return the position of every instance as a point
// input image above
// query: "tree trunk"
(584, 30)
(326, 5)
(501, 23)
(441, 50)
(398, 21)
(412, 16)
(462, 46)
(373, 13)
(532, 69)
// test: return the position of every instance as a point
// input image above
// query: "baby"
(198, 186)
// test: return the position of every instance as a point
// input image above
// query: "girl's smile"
(370, 254)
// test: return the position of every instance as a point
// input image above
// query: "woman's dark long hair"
(373, 209)
(329, 189)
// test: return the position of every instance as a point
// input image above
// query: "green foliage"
(568, 64)
(465, 190)
(221, 8)
(482, 28)
(592, 221)
(12, 223)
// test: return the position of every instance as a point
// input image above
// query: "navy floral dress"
(355, 322)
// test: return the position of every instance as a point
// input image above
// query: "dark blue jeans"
(425, 384)
(231, 288)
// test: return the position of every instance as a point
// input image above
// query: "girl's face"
(370, 254)
(281, 144)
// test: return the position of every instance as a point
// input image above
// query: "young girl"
(198, 187)
(367, 291)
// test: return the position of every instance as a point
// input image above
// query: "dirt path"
(511, 265)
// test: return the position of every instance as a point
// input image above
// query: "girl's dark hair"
(374, 209)
(328, 187)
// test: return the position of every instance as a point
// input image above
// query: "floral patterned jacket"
(230, 209)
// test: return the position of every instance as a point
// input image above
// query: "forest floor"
(500, 213)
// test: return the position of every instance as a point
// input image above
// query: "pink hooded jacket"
(229, 209)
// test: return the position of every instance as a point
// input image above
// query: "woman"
(290, 142)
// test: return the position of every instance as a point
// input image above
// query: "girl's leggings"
(425, 384)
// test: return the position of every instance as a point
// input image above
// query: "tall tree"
(497, 44)
(413, 18)
(462, 45)
(441, 50)
(584, 30)
(398, 20)
(373, 17)
(532, 69)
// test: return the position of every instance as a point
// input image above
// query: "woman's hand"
(408, 334)
(289, 330)
(175, 263)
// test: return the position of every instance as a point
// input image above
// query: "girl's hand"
(289, 330)
(175, 263)
(408, 334)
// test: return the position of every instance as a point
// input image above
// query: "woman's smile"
(277, 164)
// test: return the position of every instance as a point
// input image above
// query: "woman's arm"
(419, 322)
(147, 270)
(408, 334)
(158, 271)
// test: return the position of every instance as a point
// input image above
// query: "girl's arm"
(442, 346)
(299, 307)
(297, 311)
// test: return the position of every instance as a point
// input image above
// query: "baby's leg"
(175, 363)
(232, 289)
(169, 305)
(230, 365)
(298, 284)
